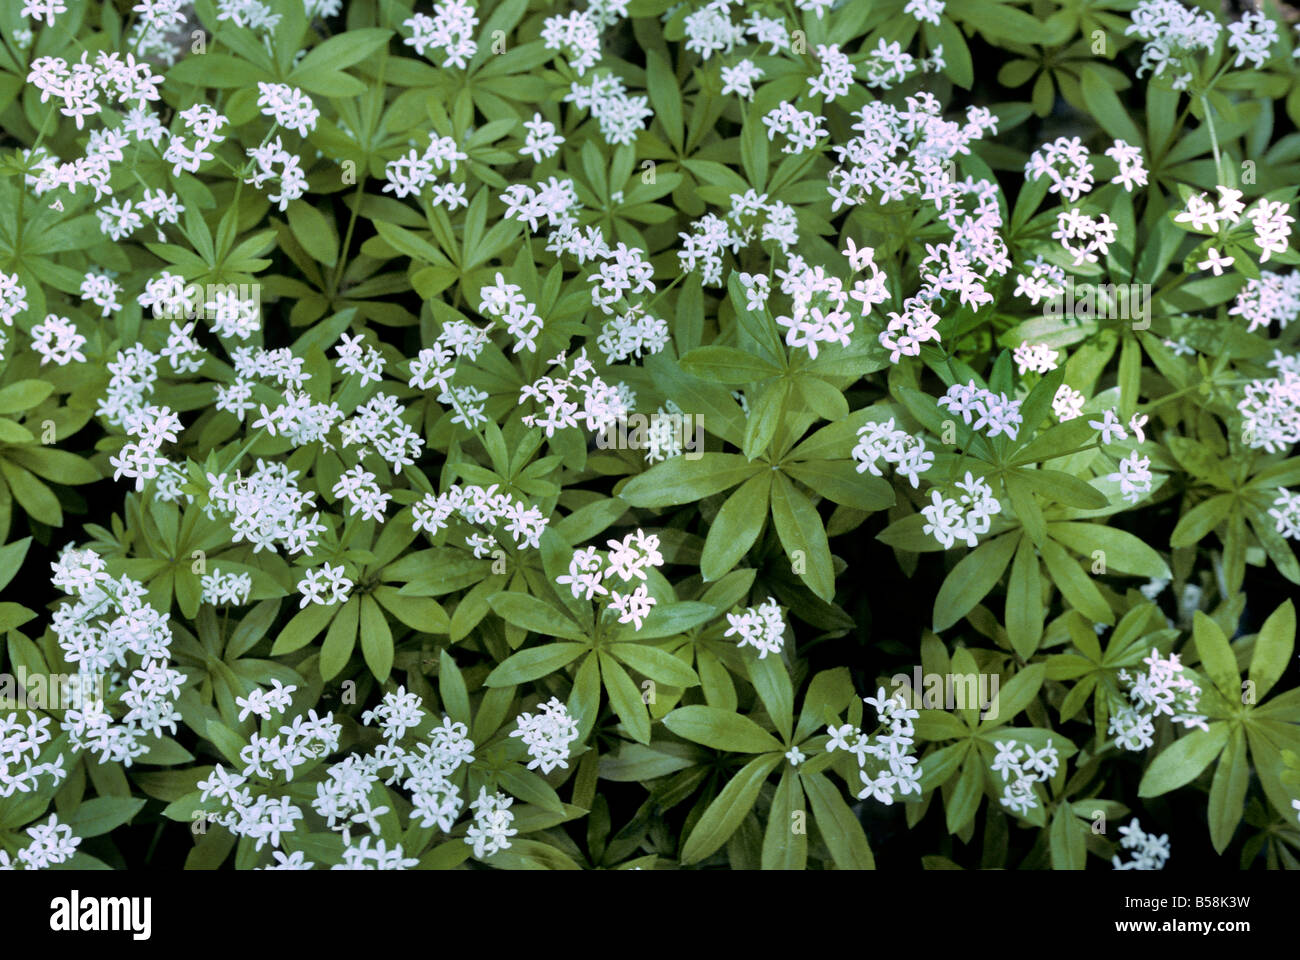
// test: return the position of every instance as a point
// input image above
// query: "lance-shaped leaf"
(721, 730)
(680, 480)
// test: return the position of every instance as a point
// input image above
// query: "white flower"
(547, 735)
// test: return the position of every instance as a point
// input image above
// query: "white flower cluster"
(491, 830)
(1271, 412)
(897, 770)
(56, 338)
(1083, 236)
(836, 76)
(547, 735)
(628, 559)
(817, 307)
(412, 173)
(907, 453)
(634, 333)
(266, 508)
(425, 771)
(102, 290)
(259, 816)
(623, 270)
(1273, 297)
(80, 84)
(289, 106)
(1036, 357)
(739, 79)
(755, 216)
(801, 128)
(1132, 171)
(1252, 37)
(1066, 163)
(226, 588)
(1150, 852)
(906, 331)
(1286, 513)
(52, 843)
(1173, 33)
(1134, 476)
(1164, 689)
(994, 411)
(506, 301)
(579, 397)
(1045, 281)
(451, 30)
(290, 177)
(324, 578)
(13, 298)
(964, 518)
(139, 459)
(109, 624)
(709, 237)
(261, 702)
(541, 140)
(1023, 768)
(577, 36)
(378, 423)
(619, 116)
(19, 737)
(480, 506)
(554, 199)
(760, 627)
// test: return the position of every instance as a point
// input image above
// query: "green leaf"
(772, 681)
(100, 815)
(305, 626)
(665, 97)
(1024, 609)
(1228, 791)
(1069, 848)
(376, 639)
(451, 688)
(830, 690)
(721, 730)
(680, 480)
(1200, 520)
(1014, 696)
(960, 807)
(218, 70)
(785, 841)
(838, 825)
(1074, 584)
(1274, 648)
(533, 614)
(1106, 109)
(1064, 489)
(803, 536)
(533, 663)
(1217, 659)
(227, 741)
(736, 527)
(973, 577)
(625, 698)
(728, 809)
(342, 50)
(659, 665)
(1183, 760)
(1124, 552)
(314, 231)
(11, 559)
(340, 640)
(24, 395)
(840, 482)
